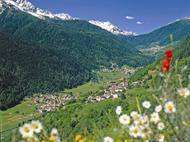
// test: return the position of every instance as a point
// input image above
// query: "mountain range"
(42, 52)
(112, 28)
(179, 30)
(28, 7)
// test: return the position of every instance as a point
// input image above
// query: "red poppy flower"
(169, 54)
(166, 65)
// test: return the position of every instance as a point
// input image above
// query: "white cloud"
(139, 22)
(130, 17)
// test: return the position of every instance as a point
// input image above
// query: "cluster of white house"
(48, 103)
(111, 92)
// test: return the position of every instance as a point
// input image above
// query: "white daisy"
(158, 108)
(36, 126)
(26, 131)
(160, 126)
(124, 119)
(118, 110)
(160, 138)
(145, 137)
(169, 107)
(134, 131)
(145, 120)
(146, 104)
(108, 139)
(133, 114)
(154, 117)
(184, 92)
(146, 130)
(54, 132)
(142, 120)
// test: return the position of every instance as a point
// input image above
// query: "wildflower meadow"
(165, 118)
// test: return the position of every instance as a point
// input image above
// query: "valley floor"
(98, 119)
(12, 118)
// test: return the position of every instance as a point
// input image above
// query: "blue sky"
(148, 14)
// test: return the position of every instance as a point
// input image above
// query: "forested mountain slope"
(179, 29)
(181, 54)
(27, 67)
(47, 55)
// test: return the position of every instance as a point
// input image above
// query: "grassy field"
(104, 80)
(25, 111)
(94, 119)
(11, 118)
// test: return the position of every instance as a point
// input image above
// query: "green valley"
(100, 116)
(65, 79)
(56, 55)
(27, 110)
(95, 121)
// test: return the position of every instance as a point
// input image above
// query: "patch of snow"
(28, 7)
(63, 16)
(111, 28)
(186, 17)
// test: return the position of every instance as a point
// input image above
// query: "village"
(112, 92)
(49, 103)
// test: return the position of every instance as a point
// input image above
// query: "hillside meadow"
(156, 110)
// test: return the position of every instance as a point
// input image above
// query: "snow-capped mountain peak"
(111, 28)
(187, 17)
(63, 16)
(24, 4)
(28, 7)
